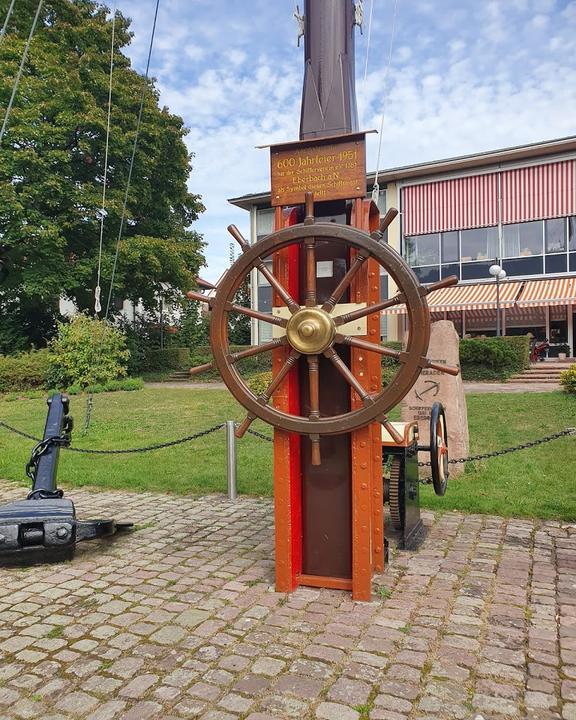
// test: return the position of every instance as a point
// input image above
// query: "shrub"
(568, 379)
(24, 371)
(87, 352)
(166, 359)
(494, 358)
(259, 382)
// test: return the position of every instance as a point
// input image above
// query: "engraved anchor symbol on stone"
(433, 386)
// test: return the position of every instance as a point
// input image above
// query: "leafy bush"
(259, 382)
(568, 379)
(166, 359)
(87, 352)
(24, 371)
(126, 384)
(389, 365)
(494, 358)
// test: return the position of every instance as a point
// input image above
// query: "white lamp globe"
(495, 271)
(502, 274)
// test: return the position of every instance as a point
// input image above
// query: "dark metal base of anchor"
(46, 531)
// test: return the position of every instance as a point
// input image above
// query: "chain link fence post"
(231, 459)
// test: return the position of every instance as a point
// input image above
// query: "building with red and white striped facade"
(459, 216)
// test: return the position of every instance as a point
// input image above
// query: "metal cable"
(134, 146)
(97, 305)
(376, 186)
(7, 20)
(20, 71)
(90, 401)
(368, 39)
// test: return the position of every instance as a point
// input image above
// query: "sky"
(465, 76)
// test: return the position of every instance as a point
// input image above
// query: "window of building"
(479, 244)
(264, 222)
(572, 233)
(522, 239)
(423, 249)
(555, 233)
(450, 247)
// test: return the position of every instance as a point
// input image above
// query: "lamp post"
(499, 273)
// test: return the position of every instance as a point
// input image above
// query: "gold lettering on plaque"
(332, 171)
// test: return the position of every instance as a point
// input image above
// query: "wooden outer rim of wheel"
(376, 405)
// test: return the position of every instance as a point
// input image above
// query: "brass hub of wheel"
(311, 331)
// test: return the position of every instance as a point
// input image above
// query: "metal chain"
(504, 451)
(260, 435)
(41, 448)
(127, 451)
(255, 433)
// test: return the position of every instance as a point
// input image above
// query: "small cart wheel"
(439, 448)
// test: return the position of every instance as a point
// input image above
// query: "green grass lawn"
(540, 482)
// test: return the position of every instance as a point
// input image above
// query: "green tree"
(52, 167)
(238, 324)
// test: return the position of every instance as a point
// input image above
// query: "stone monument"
(433, 386)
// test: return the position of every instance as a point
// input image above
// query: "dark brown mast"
(329, 96)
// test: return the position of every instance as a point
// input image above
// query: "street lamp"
(499, 273)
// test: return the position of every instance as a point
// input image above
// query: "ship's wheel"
(312, 329)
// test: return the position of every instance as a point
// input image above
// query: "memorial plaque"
(333, 168)
(433, 386)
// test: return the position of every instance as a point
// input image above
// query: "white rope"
(368, 39)
(8, 15)
(20, 70)
(376, 187)
(98, 290)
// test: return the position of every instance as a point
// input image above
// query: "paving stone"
(334, 711)
(167, 624)
(138, 686)
(303, 687)
(352, 692)
(108, 710)
(77, 703)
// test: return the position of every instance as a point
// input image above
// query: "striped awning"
(542, 293)
(456, 204)
(539, 191)
(468, 297)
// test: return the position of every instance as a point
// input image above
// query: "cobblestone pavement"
(179, 620)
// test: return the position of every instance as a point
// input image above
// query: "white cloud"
(463, 80)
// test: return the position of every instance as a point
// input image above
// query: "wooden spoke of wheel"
(444, 283)
(192, 295)
(267, 394)
(310, 248)
(314, 381)
(339, 364)
(309, 202)
(385, 224)
(265, 317)
(315, 445)
(234, 357)
(365, 345)
(400, 356)
(261, 266)
(363, 312)
(429, 364)
(342, 286)
(394, 434)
